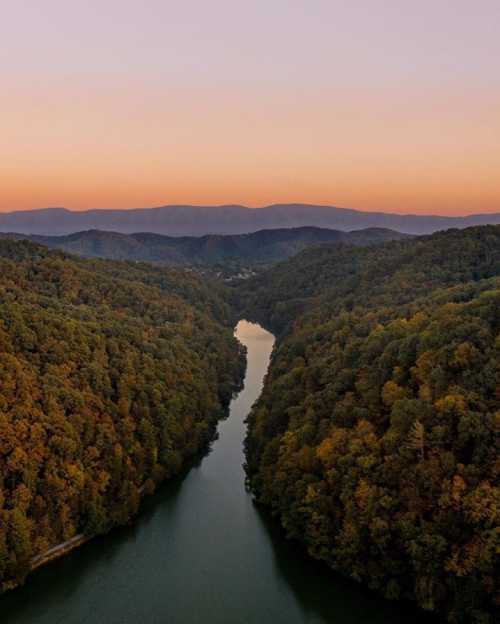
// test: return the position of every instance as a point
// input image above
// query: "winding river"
(200, 552)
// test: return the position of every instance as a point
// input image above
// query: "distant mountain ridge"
(264, 246)
(178, 220)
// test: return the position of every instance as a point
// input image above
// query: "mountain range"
(231, 219)
(262, 247)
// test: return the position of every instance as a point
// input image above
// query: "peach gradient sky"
(376, 105)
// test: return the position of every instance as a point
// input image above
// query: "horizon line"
(246, 207)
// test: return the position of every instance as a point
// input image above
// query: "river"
(200, 552)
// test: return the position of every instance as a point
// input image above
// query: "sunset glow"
(369, 106)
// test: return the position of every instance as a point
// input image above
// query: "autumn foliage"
(376, 439)
(111, 376)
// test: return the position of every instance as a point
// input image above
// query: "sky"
(375, 104)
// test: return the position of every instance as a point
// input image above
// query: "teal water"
(200, 552)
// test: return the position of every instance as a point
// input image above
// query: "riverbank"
(58, 551)
(200, 551)
(62, 549)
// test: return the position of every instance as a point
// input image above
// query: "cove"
(200, 552)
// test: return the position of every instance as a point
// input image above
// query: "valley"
(200, 551)
(372, 439)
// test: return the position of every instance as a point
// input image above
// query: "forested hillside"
(111, 376)
(376, 439)
(230, 251)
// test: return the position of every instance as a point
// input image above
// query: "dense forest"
(111, 376)
(225, 253)
(376, 439)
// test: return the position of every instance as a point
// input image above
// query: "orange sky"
(435, 152)
(395, 133)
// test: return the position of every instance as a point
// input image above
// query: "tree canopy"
(375, 440)
(111, 376)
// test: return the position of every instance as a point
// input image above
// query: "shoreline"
(64, 548)
(59, 550)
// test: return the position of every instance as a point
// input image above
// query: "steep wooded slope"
(376, 438)
(111, 376)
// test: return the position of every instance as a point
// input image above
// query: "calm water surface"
(200, 552)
